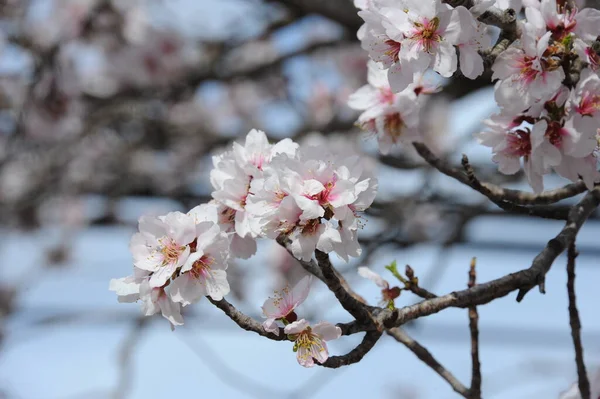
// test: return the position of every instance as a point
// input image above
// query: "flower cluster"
(409, 36)
(545, 120)
(547, 85)
(311, 195)
(404, 39)
(178, 258)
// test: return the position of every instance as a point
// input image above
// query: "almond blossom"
(426, 32)
(393, 118)
(282, 305)
(310, 342)
(473, 38)
(309, 197)
(563, 19)
(232, 176)
(153, 300)
(528, 72)
(387, 294)
(204, 271)
(162, 245)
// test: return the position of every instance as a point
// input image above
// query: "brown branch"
(356, 354)
(352, 305)
(340, 11)
(412, 284)
(426, 357)
(316, 269)
(523, 280)
(475, 390)
(504, 198)
(246, 322)
(584, 383)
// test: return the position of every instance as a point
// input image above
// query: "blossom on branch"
(310, 342)
(283, 304)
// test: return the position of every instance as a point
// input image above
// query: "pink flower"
(162, 245)
(387, 294)
(282, 305)
(426, 32)
(393, 118)
(527, 73)
(310, 342)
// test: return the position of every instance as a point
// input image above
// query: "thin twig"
(584, 383)
(475, 391)
(426, 357)
(246, 322)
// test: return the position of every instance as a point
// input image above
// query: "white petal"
(367, 273)
(296, 327)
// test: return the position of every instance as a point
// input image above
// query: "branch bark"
(583, 382)
(475, 390)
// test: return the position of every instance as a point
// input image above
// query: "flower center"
(393, 50)
(170, 250)
(519, 143)
(386, 95)
(555, 133)
(201, 267)
(393, 125)
(426, 33)
(311, 227)
(589, 104)
(306, 339)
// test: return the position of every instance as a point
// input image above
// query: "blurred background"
(112, 109)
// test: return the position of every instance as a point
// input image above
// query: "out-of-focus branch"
(583, 382)
(128, 346)
(246, 322)
(475, 390)
(426, 357)
(340, 11)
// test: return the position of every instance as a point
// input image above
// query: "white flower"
(526, 74)
(511, 142)
(204, 272)
(283, 303)
(427, 34)
(232, 176)
(393, 118)
(157, 299)
(162, 245)
(472, 39)
(310, 342)
(312, 198)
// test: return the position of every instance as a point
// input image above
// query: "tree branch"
(246, 322)
(584, 383)
(475, 390)
(523, 280)
(426, 357)
(356, 354)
